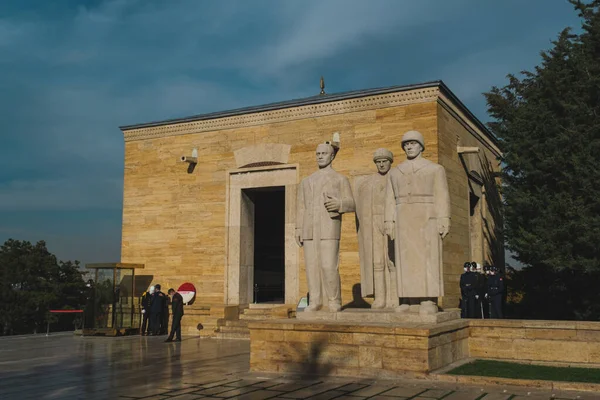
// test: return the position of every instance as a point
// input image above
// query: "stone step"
(234, 329)
(257, 311)
(238, 323)
(253, 317)
(232, 335)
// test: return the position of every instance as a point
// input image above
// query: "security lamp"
(193, 159)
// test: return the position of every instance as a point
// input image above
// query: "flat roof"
(319, 99)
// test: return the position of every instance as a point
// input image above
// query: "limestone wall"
(454, 130)
(174, 222)
(374, 351)
(570, 342)
(388, 351)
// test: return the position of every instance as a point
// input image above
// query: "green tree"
(548, 122)
(32, 282)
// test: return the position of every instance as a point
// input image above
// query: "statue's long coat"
(369, 195)
(416, 198)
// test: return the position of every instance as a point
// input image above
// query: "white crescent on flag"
(187, 292)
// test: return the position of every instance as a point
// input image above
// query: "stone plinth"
(202, 320)
(356, 349)
(367, 315)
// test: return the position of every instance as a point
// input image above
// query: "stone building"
(227, 223)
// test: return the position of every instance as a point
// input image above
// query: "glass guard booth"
(113, 299)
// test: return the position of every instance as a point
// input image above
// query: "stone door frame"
(239, 269)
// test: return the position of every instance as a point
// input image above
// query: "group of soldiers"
(155, 312)
(482, 290)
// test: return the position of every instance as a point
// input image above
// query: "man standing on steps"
(322, 199)
(177, 312)
(376, 250)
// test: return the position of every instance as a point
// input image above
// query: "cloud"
(75, 71)
(322, 30)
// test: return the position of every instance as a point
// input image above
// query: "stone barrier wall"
(344, 349)
(573, 342)
(376, 350)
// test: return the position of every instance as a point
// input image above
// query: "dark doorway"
(269, 239)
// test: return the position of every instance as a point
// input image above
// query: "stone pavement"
(63, 366)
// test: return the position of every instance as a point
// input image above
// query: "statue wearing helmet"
(417, 216)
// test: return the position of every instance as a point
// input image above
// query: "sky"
(73, 71)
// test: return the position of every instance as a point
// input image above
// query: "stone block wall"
(571, 342)
(355, 350)
(174, 222)
(388, 351)
(454, 130)
(174, 218)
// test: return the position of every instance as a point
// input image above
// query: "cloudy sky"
(72, 71)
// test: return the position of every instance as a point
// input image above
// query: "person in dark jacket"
(495, 290)
(145, 303)
(480, 291)
(157, 305)
(465, 290)
(164, 322)
(177, 312)
(469, 290)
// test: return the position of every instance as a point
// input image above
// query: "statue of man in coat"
(376, 250)
(417, 217)
(322, 199)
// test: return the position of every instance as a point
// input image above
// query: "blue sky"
(72, 71)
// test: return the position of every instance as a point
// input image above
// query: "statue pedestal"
(367, 315)
(362, 349)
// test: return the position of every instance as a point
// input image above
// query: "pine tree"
(32, 282)
(548, 123)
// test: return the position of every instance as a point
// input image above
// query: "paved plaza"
(63, 366)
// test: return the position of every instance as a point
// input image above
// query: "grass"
(501, 369)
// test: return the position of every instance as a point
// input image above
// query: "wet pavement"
(63, 366)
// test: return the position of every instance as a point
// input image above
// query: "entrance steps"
(238, 329)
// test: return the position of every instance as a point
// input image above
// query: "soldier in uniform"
(464, 287)
(470, 284)
(177, 311)
(157, 305)
(481, 289)
(145, 304)
(164, 322)
(495, 290)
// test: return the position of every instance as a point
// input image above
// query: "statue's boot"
(313, 307)
(379, 287)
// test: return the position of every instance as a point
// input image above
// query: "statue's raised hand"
(332, 204)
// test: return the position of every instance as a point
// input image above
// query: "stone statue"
(417, 216)
(322, 199)
(377, 270)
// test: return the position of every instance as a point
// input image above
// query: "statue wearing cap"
(377, 270)
(322, 199)
(417, 216)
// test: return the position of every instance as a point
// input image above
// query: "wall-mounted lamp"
(191, 160)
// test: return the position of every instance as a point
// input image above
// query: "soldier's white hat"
(413, 135)
(383, 153)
